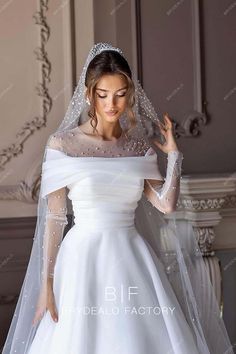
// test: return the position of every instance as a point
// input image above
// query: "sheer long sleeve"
(164, 194)
(56, 220)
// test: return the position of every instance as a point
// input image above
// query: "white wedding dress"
(111, 290)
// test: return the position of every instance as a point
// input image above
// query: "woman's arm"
(56, 220)
(164, 194)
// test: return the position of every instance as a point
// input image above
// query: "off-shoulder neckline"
(102, 157)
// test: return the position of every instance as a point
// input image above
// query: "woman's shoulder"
(140, 145)
(54, 141)
(60, 140)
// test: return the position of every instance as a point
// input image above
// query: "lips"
(111, 113)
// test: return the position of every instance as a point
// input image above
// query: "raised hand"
(166, 130)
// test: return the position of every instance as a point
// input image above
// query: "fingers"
(53, 312)
(54, 315)
(37, 317)
(51, 305)
(168, 121)
(161, 127)
(159, 145)
(164, 127)
(52, 309)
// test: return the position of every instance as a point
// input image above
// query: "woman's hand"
(50, 304)
(166, 129)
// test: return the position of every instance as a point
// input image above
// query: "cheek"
(99, 104)
(122, 104)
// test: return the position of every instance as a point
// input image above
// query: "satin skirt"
(112, 294)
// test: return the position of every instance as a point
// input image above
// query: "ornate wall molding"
(196, 118)
(27, 190)
(204, 201)
(28, 129)
(207, 193)
(208, 203)
(22, 192)
(205, 237)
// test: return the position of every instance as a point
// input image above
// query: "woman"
(106, 290)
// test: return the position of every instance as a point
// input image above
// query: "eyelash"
(117, 95)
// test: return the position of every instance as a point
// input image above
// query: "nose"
(111, 102)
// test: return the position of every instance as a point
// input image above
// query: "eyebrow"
(108, 90)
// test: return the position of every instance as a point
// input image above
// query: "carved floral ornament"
(26, 191)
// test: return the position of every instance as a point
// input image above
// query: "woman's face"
(110, 95)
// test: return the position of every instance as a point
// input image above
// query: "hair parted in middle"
(109, 62)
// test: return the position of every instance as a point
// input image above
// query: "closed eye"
(101, 96)
(117, 95)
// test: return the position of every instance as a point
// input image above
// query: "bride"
(118, 281)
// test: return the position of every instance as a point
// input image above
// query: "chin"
(110, 119)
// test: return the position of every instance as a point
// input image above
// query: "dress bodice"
(106, 197)
(60, 170)
(105, 183)
(105, 178)
(99, 186)
(106, 186)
